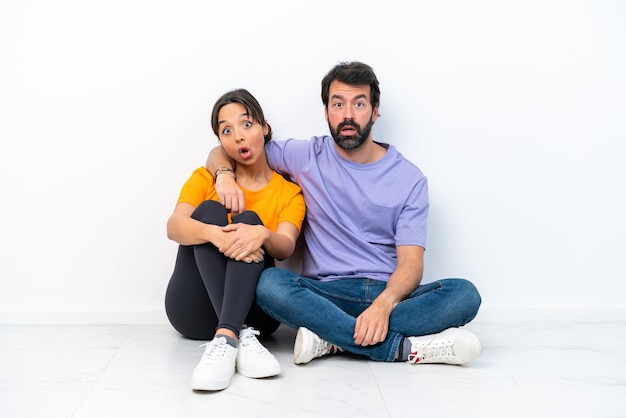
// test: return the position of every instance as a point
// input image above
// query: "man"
(364, 240)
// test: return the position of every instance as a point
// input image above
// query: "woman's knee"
(248, 217)
(211, 212)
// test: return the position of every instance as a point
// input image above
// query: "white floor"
(526, 370)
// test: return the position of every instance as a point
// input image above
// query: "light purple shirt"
(356, 213)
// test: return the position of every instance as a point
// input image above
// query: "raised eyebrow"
(340, 97)
(245, 115)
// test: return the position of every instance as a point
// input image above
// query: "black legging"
(209, 290)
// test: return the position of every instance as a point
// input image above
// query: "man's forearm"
(218, 159)
(407, 275)
(229, 193)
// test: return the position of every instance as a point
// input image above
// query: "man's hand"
(230, 194)
(372, 325)
(228, 191)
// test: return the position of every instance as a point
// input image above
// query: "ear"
(375, 114)
(266, 128)
(326, 114)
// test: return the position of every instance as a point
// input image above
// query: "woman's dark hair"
(248, 101)
(355, 74)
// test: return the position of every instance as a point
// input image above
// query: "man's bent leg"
(302, 302)
(431, 319)
(436, 306)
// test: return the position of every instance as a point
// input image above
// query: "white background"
(516, 112)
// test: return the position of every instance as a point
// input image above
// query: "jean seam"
(329, 295)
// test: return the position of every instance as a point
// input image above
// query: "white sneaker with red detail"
(253, 359)
(309, 346)
(451, 346)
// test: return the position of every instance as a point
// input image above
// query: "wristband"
(224, 170)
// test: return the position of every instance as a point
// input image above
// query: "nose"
(348, 113)
(239, 135)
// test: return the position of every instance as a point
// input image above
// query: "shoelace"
(248, 338)
(429, 350)
(322, 347)
(214, 351)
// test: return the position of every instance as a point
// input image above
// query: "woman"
(221, 255)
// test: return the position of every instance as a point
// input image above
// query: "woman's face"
(242, 137)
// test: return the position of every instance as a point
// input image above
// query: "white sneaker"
(216, 366)
(451, 346)
(254, 360)
(309, 346)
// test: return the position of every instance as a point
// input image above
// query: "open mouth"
(245, 153)
(348, 131)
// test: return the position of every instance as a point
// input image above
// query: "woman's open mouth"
(245, 153)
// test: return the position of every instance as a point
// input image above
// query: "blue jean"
(330, 309)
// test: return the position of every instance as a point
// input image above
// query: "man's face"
(350, 114)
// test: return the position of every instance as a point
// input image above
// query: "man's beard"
(353, 141)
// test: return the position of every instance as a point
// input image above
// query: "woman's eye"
(226, 131)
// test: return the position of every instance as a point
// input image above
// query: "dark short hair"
(355, 74)
(248, 101)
